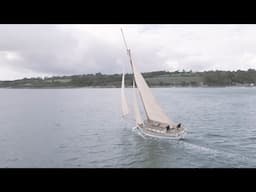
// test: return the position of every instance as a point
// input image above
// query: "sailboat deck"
(161, 131)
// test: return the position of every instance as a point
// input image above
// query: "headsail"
(123, 98)
(136, 107)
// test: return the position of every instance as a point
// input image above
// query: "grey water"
(63, 128)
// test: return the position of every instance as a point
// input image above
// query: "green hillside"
(154, 79)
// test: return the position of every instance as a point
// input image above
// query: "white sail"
(136, 107)
(123, 99)
(153, 110)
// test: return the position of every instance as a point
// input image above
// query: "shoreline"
(106, 87)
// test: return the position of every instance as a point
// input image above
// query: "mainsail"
(123, 99)
(153, 111)
(136, 107)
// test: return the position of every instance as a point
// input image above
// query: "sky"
(57, 50)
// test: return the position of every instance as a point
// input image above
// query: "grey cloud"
(52, 50)
(72, 49)
(39, 46)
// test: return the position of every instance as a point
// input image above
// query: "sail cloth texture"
(153, 110)
(125, 109)
(136, 107)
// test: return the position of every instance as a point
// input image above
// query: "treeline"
(228, 78)
(154, 79)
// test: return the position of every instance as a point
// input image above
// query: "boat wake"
(240, 159)
(208, 152)
(135, 129)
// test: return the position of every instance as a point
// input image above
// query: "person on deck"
(179, 125)
(168, 127)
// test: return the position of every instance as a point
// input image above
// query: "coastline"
(156, 79)
(114, 87)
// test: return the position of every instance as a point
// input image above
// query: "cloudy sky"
(46, 50)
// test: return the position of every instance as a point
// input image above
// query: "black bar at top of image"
(127, 12)
(129, 20)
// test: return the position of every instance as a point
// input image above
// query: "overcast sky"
(46, 50)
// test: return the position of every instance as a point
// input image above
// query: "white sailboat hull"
(172, 134)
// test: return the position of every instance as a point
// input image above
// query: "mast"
(131, 63)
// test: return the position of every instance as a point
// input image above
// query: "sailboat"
(156, 123)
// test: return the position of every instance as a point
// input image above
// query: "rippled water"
(83, 128)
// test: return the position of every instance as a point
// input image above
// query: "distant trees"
(156, 78)
(227, 78)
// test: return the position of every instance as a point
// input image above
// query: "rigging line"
(125, 43)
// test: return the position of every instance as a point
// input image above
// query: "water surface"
(83, 128)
